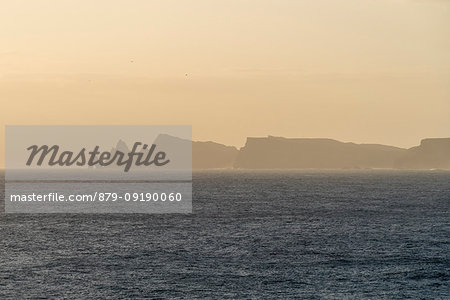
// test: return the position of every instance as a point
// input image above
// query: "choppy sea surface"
(253, 235)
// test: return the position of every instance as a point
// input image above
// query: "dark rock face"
(283, 153)
(301, 153)
(210, 155)
(431, 154)
(205, 155)
(178, 151)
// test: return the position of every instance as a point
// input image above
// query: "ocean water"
(263, 235)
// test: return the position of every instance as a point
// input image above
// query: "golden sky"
(353, 70)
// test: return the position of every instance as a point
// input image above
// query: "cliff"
(305, 153)
(431, 154)
(210, 155)
(205, 155)
(302, 153)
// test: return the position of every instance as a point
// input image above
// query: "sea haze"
(266, 234)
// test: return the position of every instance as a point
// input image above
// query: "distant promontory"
(316, 153)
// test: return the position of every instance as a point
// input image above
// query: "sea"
(366, 234)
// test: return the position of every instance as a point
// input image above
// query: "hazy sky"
(354, 70)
